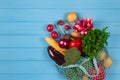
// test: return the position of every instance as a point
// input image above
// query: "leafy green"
(72, 56)
(94, 42)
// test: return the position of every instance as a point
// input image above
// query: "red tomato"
(50, 28)
(67, 27)
(54, 34)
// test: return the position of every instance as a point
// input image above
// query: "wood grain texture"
(60, 4)
(23, 50)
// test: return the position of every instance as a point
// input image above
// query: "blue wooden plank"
(60, 4)
(113, 41)
(113, 28)
(27, 67)
(23, 41)
(23, 54)
(30, 76)
(45, 77)
(112, 76)
(114, 53)
(23, 22)
(42, 14)
(23, 28)
(38, 28)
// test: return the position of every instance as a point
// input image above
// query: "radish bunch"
(83, 26)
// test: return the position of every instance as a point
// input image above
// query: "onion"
(63, 43)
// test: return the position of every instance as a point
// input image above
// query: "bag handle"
(83, 69)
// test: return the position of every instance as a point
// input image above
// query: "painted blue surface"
(23, 54)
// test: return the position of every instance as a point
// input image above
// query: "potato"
(102, 55)
(72, 17)
(85, 77)
(75, 34)
(107, 62)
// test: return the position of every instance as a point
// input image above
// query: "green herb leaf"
(72, 56)
(94, 42)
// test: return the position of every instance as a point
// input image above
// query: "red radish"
(101, 75)
(83, 26)
(75, 28)
(67, 27)
(80, 22)
(89, 20)
(86, 32)
(92, 25)
(85, 23)
(54, 34)
(88, 25)
(50, 28)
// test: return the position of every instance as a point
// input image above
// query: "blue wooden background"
(23, 54)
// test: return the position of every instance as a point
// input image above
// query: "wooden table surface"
(23, 54)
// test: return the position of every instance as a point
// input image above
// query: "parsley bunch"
(94, 42)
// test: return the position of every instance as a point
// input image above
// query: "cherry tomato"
(67, 27)
(50, 28)
(54, 34)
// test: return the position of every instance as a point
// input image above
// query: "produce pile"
(78, 49)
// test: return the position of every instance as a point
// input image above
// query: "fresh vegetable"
(72, 17)
(60, 22)
(71, 49)
(72, 56)
(63, 43)
(54, 34)
(66, 27)
(107, 62)
(55, 45)
(83, 26)
(55, 55)
(77, 42)
(101, 75)
(50, 28)
(94, 42)
(67, 36)
(78, 28)
(75, 34)
(85, 77)
(102, 55)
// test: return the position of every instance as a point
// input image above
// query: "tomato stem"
(72, 38)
